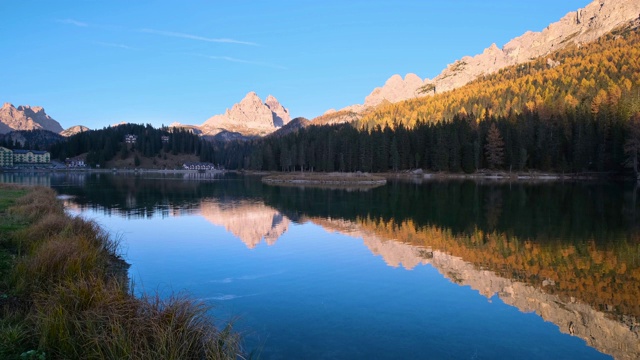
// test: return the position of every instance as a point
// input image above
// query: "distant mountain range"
(251, 117)
(25, 117)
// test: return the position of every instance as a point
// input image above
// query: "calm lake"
(409, 270)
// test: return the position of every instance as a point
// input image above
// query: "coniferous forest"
(579, 144)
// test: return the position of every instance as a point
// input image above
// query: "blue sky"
(97, 63)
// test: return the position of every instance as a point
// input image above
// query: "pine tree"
(494, 149)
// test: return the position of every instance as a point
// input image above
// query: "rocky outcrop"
(26, 118)
(4, 128)
(578, 27)
(394, 90)
(292, 126)
(249, 117)
(280, 115)
(336, 117)
(74, 130)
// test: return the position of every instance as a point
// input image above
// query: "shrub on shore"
(71, 300)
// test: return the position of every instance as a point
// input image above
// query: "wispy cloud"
(72, 22)
(242, 61)
(196, 37)
(120, 46)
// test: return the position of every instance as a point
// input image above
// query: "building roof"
(34, 152)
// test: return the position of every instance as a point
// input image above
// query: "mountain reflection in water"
(570, 253)
(557, 295)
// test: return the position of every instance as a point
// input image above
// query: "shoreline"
(303, 178)
(481, 175)
(508, 176)
(106, 171)
(66, 289)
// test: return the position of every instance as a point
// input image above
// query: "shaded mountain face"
(249, 117)
(279, 113)
(36, 139)
(26, 118)
(292, 126)
(577, 27)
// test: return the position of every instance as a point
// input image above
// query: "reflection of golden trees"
(606, 277)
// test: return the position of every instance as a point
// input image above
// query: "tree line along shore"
(65, 294)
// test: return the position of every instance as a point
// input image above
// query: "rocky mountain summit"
(280, 114)
(394, 90)
(577, 27)
(74, 130)
(249, 117)
(25, 117)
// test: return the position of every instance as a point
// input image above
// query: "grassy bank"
(64, 294)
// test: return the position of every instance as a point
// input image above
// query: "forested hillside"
(103, 145)
(30, 139)
(600, 77)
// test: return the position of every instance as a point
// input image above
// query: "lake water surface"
(428, 270)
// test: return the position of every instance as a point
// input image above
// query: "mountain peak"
(249, 117)
(270, 98)
(280, 114)
(251, 97)
(25, 117)
(395, 89)
(74, 130)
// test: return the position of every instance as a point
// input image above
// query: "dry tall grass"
(77, 305)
